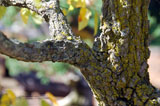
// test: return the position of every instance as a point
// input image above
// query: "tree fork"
(115, 68)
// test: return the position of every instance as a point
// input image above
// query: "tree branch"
(20, 3)
(49, 50)
(64, 47)
(52, 14)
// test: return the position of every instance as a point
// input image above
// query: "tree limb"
(49, 50)
(64, 47)
(20, 3)
(52, 14)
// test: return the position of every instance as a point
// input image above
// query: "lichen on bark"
(115, 68)
(124, 45)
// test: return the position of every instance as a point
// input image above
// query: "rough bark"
(116, 66)
(124, 47)
(48, 50)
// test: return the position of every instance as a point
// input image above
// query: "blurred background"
(31, 81)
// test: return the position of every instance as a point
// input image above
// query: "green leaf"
(21, 102)
(3, 11)
(25, 15)
(44, 103)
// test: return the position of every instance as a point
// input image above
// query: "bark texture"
(124, 47)
(116, 66)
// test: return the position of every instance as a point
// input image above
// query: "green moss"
(137, 102)
(125, 66)
(128, 93)
(98, 77)
(115, 93)
(93, 64)
(139, 90)
(109, 45)
(121, 84)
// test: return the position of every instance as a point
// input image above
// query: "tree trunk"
(120, 77)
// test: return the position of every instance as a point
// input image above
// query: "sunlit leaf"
(95, 23)
(52, 98)
(64, 11)
(82, 24)
(25, 15)
(71, 4)
(71, 8)
(3, 105)
(11, 95)
(44, 103)
(81, 3)
(83, 18)
(76, 4)
(5, 100)
(3, 11)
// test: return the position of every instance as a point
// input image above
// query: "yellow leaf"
(83, 18)
(64, 11)
(11, 95)
(82, 24)
(95, 23)
(71, 8)
(25, 15)
(3, 105)
(81, 3)
(76, 4)
(85, 13)
(5, 100)
(72, 2)
(52, 98)
(3, 11)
